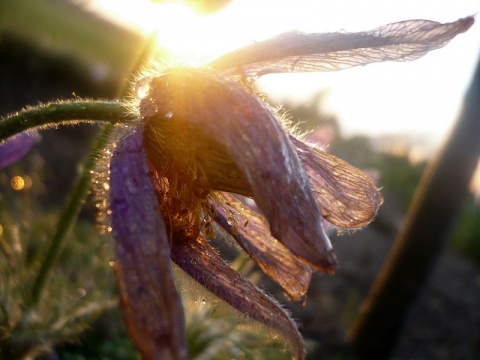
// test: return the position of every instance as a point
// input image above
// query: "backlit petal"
(198, 259)
(348, 196)
(149, 301)
(295, 51)
(275, 260)
(206, 109)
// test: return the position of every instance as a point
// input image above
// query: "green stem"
(112, 112)
(69, 214)
(60, 113)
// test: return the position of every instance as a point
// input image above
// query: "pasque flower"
(204, 136)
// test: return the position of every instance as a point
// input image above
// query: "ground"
(444, 323)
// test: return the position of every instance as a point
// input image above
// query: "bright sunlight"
(419, 99)
(185, 35)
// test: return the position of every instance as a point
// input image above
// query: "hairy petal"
(198, 259)
(149, 301)
(349, 197)
(275, 260)
(212, 109)
(207, 108)
(17, 147)
(299, 52)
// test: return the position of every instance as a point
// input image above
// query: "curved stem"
(70, 213)
(113, 112)
(59, 113)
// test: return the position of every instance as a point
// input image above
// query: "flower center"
(188, 163)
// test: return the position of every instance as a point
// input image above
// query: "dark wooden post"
(433, 210)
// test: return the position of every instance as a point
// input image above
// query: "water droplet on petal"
(145, 169)
(131, 185)
(169, 115)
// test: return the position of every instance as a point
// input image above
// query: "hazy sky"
(419, 98)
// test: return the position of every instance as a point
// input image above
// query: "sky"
(420, 99)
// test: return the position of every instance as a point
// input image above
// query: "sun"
(187, 35)
(184, 34)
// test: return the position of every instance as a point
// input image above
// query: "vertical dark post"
(433, 210)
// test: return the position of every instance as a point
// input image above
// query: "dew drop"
(131, 186)
(145, 169)
(169, 115)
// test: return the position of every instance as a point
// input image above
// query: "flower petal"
(295, 51)
(275, 260)
(150, 303)
(349, 197)
(17, 147)
(198, 259)
(205, 108)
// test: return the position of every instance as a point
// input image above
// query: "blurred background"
(389, 119)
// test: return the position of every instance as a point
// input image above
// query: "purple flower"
(203, 140)
(17, 147)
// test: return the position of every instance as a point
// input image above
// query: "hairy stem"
(70, 213)
(61, 113)
(113, 112)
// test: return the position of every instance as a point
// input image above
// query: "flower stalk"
(70, 213)
(64, 113)
(72, 112)
(61, 113)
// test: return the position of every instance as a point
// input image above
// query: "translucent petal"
(294, 51)
(348, 196)
(149, 301)
(198, 259)
(275, 260)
